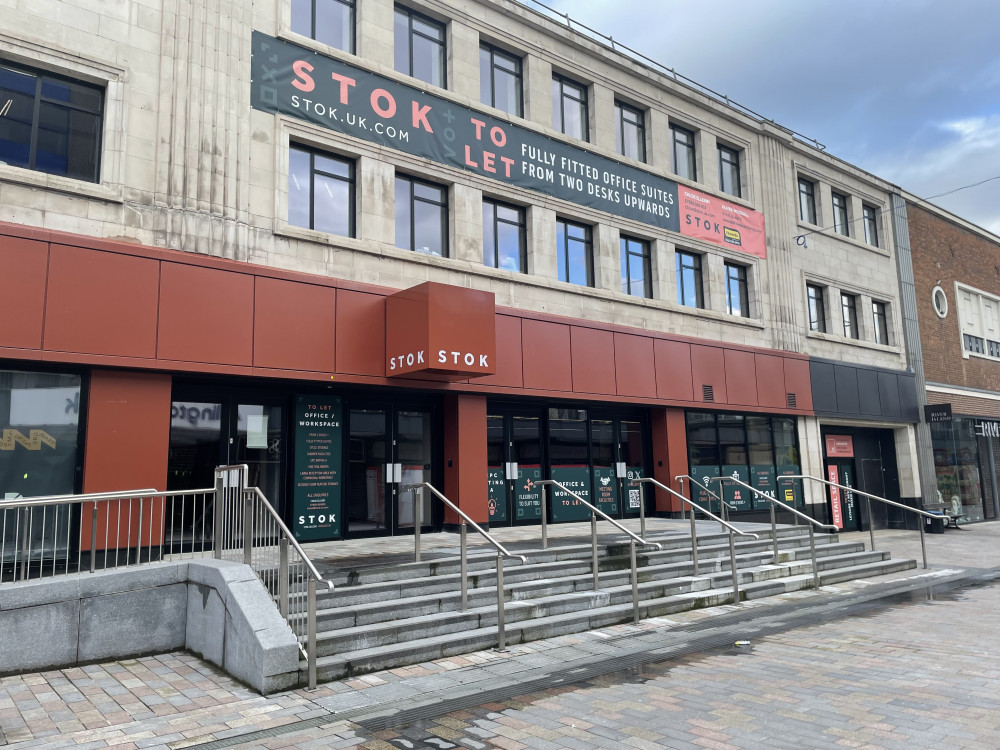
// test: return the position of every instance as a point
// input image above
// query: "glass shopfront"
(963, 466)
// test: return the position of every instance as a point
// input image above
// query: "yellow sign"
(790, 496)
(34, 441)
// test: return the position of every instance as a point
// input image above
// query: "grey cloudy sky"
(906, 89)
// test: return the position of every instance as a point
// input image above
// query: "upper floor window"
(840, 225)
(689, 290)
(420, 47)
(421, 216)
(870, 216)
(849, 310)
(576, 253)
(979, 320)
(635, 267)
(504, 243)
(729, 171)
(630, 132)
(682, 146)
(320, 192)
(817, 308)
(569, 107)
(49, 123)
(500, 79)
(327, 21)
(737, 294)
(807, 200)
(880, 322)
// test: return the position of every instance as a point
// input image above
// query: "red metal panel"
(546, 353)
(100, 303)
(22, 289)
(508, 357)
(673, 369)
(206, 315)
(294, 325)
(593, 360)
(360, 333)
(741, 378)
(708, 368)
(797, 381)
(466, 466)
(635, 369)
(770, 381)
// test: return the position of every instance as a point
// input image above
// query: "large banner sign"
(291, 80)
(316, 496)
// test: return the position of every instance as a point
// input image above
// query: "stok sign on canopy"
(294, 81)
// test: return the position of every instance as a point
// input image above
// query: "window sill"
(44, 181)
(835, 339)
(813, 230)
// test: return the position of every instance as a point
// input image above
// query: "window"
(327, 21)
(807, 200)
(689, 280)
(421, 216)
(49, 123)
(682, 141)
(504, 243)
(978, 319)
(870, 216)
(817, 308)
(569, 107)
(880, 322)
(630, 132)
(729, 171)
(419, 50)
(737, 296)
(500, 79)
(849, 309)
(320, 192)
(840, 225)
(576, 253)
(635, 267)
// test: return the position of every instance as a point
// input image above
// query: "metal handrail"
(33, 502)
(774, 526)
(291, 539)
(868, 498)
(502, 552)
(725, 506)
(594, 511)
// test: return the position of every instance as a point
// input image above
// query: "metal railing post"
(635, 583)
(218, 515)
(93, 537)
(283, 577)
(24, 542)
(680, 483)
(923, 546)
(138, 543)
(465, 567)
(416, 522)
(812, 551)
(871, 521)
(642, 513)
(248, 530)
(774, 535)
(501, 634)
(694, 543)
(311, 643)
(593, 546)
(735, 570)
(545, 519)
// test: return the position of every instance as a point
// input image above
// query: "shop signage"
(987, 428)
(291, 80)
(316, 498)
(937, 413)
(606, 489)
(528, 494)
(839, 446)
(736, 495)
(705, 475)
(790, 490)
(565, 507)
(497, 495)
(634, 490)
(835, 510)
(762, 478)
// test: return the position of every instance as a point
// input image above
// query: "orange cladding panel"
(635, 370)
(22, 289)
(466, 468)
(770, 381)
(360, 333)
(797, 381)
(593, 360)
(101, 303)
(206, 315)
(294, 326)
(546, 352)
(508, 357)
(708, 368)
(741, 378)
(673, 369)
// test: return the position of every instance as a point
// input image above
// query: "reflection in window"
(849, 308)
(576, 254)
(840, 224)
(630, 132)
(689, 290)
(729, 170)
(807, 200)
(682, 141)
(320, 192)
(881, 322)
(327, 21)
(504, 243)
(635, 267)
(737, 295)
(569, 103)
(421, 216)
(499, 79)
(817, 309)
(419, 46)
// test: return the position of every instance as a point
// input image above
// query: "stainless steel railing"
(733, 531)
(594, 512)
(811, 522)
(466, 521)
(868, 498)
(724, 506)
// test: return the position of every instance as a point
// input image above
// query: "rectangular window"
(569, 107)
(500, 79)
(421, 216)
(689, 291)
(840, 225)
(320, 192)
(327, 21)
(504, 244)
(419, 46)
(870, 214)
(576, 253)
(807, 200)
(849, 309)
(682, 144)
(880, 322)
(817, 308)
(635, 267)
(729, 171)
(49, 123)
(737, 296)
(630, 132)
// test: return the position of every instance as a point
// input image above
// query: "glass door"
(257, 439)
(514, 456)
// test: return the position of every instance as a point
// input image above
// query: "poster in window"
(606, 489)
(316, 496)
(565, 507)
(738, 496)
(528, 494)
(762, 478)
(497, 495)
(790, 490)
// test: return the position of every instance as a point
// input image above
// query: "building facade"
(360, 244)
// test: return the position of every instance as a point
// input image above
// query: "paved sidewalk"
(920, 673)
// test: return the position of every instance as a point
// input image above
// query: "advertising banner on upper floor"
(291, 80)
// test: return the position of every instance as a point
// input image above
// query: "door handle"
(397, 473)
(512, 470)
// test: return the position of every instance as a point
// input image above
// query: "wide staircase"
(391, 613)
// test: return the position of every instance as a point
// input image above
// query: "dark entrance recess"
(873, 468)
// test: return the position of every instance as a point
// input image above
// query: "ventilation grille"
(708, 393)
(791, 401)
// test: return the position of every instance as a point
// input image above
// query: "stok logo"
(443, 357)
(732, 236)
(34, 442)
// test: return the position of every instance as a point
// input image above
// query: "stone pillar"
(542, 258)
(601, 107)
(377, 200)
(463, 60)
(467, 223)
(538, 91)
(375, 32)
(607, 273)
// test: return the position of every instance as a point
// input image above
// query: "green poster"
(634, 492)
(316, 499)
(790, 490)
(527, 494)
(705, 475)
(762, 478)
(498, 495)
(738, 496)
(566, 507)
(606, 490)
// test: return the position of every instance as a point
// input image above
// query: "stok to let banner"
(291, 80)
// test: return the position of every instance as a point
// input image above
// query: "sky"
(908, 90)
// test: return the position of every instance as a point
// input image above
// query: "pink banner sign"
(720, 222)
(838, 516)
